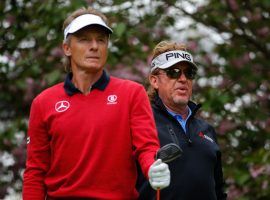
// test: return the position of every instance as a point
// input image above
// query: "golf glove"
(159, 175)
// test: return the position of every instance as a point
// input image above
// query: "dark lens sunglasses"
(175, 73)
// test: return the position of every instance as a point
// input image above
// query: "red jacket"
(86, 146)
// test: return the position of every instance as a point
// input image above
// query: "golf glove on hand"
(159, 175)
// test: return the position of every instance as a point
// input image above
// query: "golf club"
(168, 153)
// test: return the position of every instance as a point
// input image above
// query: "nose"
(182, 77)
(93, 45)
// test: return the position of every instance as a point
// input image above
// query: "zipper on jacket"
(173, 135)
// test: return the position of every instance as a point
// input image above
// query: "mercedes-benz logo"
(62, 106)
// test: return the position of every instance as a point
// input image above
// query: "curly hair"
(160, 48)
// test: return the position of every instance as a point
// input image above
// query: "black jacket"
(197, 174)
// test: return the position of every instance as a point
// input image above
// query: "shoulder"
(131, 91)
(203, 123)
(125, 83)
(51, 92)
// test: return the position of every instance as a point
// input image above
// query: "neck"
(84, 81)
(183, 111)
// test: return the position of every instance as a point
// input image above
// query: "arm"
(219, 180)
(221, 195)
(38, 156)
(144, 132)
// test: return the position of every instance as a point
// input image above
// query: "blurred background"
(230, 41)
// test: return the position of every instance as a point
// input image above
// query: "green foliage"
(244, 89)
(233, 82)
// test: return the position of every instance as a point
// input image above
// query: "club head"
(169, 152)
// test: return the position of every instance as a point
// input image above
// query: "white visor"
(83, 21)
(169, 58)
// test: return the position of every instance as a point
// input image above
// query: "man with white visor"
(86, 133)
(197, 173)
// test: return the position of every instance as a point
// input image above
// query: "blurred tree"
(236, 92)
(230, 39)
(30, 60)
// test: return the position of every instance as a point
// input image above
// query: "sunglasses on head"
(175, 73)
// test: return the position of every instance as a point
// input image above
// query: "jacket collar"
(193, 106)
(101, 83)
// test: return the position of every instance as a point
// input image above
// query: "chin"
(181, 101)
(94, 68)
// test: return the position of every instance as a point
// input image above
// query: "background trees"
(229, 38)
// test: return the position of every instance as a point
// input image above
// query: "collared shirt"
(71, 134)
(179, 118)
(101, 84)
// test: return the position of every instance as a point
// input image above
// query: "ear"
(153, 81)
(66, 49)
